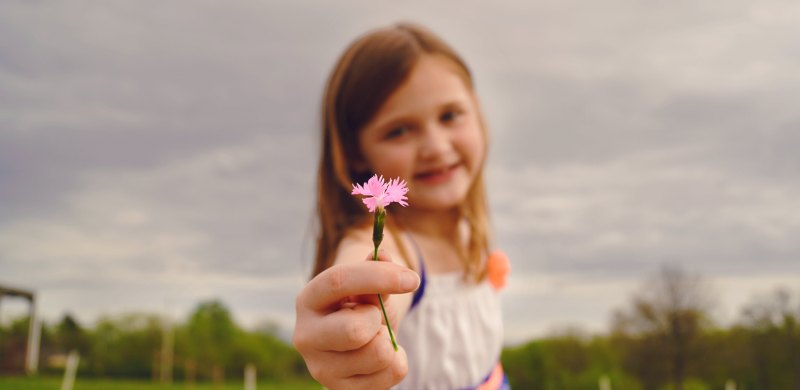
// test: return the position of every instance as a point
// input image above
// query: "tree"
(69, 335)
(662, 326)
(125, 345)
(775, 339)
(210, 336)
(525, 366)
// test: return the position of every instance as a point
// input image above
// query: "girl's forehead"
(433, 82)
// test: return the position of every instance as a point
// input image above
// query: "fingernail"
(409, 280)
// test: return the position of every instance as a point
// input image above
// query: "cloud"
(210, 225)
(582, 237)
(644, 209)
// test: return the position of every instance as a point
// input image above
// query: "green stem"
(377, 237)
(385, 317)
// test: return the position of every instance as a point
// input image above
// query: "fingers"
(373, 357)
(340, 331)
(384, 378)
(348, 328)
(377, 365)
(343, 280)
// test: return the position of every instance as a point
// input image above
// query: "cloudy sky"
(156, 154)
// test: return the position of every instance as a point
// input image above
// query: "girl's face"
(428, 132)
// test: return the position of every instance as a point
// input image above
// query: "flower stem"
(385, 317)
(377, 237)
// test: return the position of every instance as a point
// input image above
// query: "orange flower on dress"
(497, 269)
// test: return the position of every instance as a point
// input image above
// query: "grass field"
(51, 383)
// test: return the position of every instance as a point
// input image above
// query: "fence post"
(70, 370)
(604, 383)
(34, 338)
(250, 377)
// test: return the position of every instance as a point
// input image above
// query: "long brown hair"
(367, 73)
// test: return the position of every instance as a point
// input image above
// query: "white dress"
(453, 333)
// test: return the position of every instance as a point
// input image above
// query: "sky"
(157, 154)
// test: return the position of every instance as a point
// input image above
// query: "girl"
(400, 103)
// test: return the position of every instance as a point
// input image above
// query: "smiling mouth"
(437, 175)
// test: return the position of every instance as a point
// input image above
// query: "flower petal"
(380, 193)
(359, 190)
(371, 204)
(396, 191)
(376, 186)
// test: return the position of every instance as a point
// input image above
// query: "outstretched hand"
(340, 330)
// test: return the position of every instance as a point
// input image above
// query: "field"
(53, 383)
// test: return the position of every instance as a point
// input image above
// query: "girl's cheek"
(400, 168)
(475, 147)
(391, 162)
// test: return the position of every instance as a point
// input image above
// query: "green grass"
(52, 383)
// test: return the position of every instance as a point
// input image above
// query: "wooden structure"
(34, 328)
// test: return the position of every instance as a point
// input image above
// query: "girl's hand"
(340, 330)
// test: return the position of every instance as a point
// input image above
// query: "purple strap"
(421, 290)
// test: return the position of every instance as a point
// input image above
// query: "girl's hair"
(365, 76)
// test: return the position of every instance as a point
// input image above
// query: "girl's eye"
(396, 132)
(449, 116)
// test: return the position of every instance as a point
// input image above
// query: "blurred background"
(158, 158)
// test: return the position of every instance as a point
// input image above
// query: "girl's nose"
(435, 142)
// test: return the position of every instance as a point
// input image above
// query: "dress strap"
(422, 279)
(496, 380)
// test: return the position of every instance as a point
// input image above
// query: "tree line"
(209, 346)
(664, 338)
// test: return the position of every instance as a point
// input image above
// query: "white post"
(250, 377)
(604, 383)
(34, 337)
(730, 385)
(70, 370)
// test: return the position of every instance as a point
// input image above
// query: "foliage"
(660, 333)
(209, 346)
(87, 383)
(124, 346)
(760, 351)
(774, 340)
(68, 335)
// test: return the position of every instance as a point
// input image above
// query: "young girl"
(400, 103)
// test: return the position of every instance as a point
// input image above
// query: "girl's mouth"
(438, 175)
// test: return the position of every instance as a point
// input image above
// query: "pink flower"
(380, 194)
